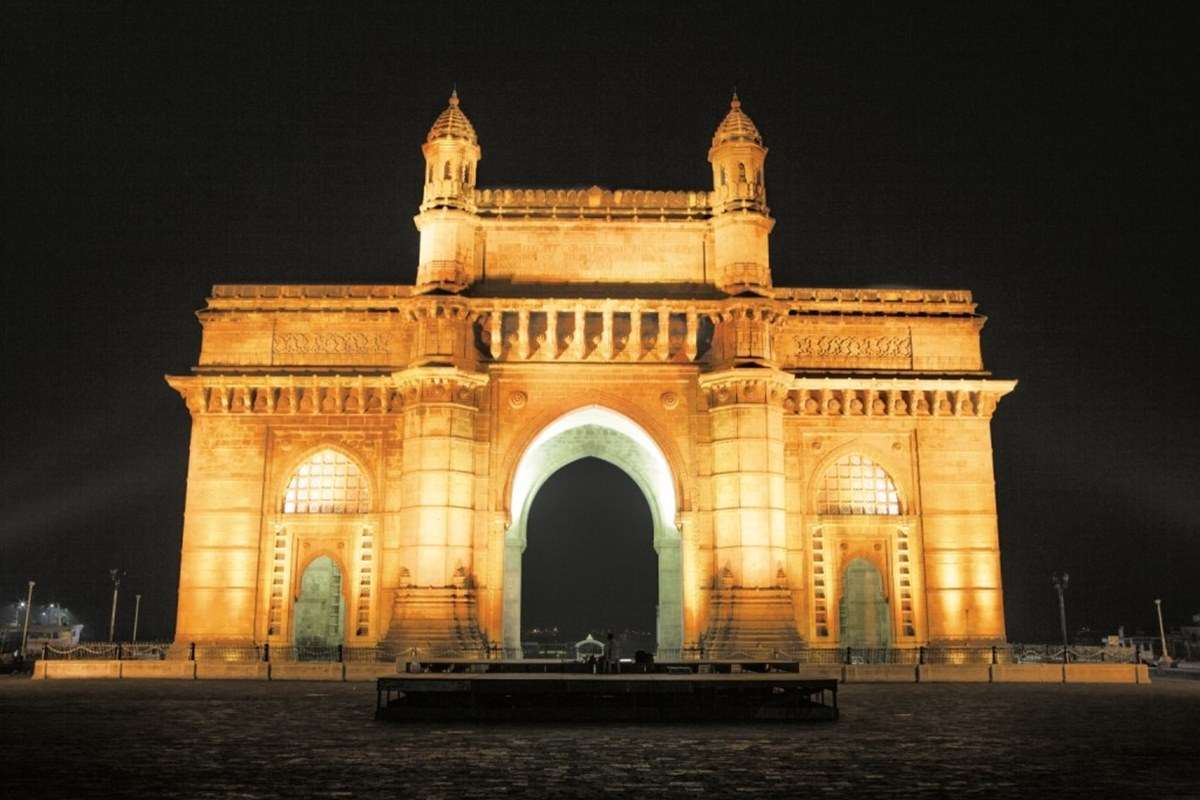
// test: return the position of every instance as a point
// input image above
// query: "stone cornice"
(327, 394)
(895, 397)
(748, 385)
(400, 298)
(855, 397)
(595, 203)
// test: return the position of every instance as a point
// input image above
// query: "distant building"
(39, 636)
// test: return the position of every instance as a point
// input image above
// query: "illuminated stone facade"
(817, 461)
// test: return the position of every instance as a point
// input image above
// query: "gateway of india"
(817, 462)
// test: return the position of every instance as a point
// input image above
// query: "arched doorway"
(589, 564)
(319, 610)
(601, 433)
(863, 612)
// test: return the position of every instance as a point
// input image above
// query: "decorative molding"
(866, 347)
(329, 395)
(849, 397)
(595, 203)
(756, 386)
(323, 343)
(440, 385)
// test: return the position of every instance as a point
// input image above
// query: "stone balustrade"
(596, 330)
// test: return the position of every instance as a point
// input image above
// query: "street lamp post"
(28, 608)
(1060, 585)
(1162, 634)
(137, 610)
(112, 620)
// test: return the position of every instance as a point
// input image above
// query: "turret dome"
(736, 126)
(453, 124)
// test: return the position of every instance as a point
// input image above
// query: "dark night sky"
(1045, 160)
(590, 572)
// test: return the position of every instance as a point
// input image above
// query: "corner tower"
(741, 219)
(446, 221)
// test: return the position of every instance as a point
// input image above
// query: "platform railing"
(107, 651)
(748, 653)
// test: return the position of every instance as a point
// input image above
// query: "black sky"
(1044, 159)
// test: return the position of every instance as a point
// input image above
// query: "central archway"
(599, 432)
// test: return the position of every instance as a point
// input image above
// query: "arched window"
(857, 485)
(466, 173)
(722, 176)
(327, 483)
(446, 171)
(741, 172)
(430, 178)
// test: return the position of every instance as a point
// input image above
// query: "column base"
(435, 622)
(751, 623)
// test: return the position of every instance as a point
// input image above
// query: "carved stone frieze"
(849, 346)
(330, 343)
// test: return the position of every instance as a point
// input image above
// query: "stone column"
(523, 334)
(514, 549)
(578, 335)
(752, 609)
(549, 350)
(435, 613)
(693, 329)
(634, 347)
(495, 333)
(606, 332)
(663, 345)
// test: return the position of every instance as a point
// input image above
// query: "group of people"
(606, 661)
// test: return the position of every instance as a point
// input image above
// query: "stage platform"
(575, 697)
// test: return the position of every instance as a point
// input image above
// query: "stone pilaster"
(222, 529)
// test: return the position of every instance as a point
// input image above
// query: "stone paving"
(171, 739)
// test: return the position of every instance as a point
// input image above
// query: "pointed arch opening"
(864, 617)
(601, 433)
(320, 609)
(589, 567)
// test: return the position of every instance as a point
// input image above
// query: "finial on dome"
(452, 122)
(736, 126)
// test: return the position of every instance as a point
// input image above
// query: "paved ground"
(172, 739)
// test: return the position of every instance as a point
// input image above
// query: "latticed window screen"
(857, 485)
(328, 483)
